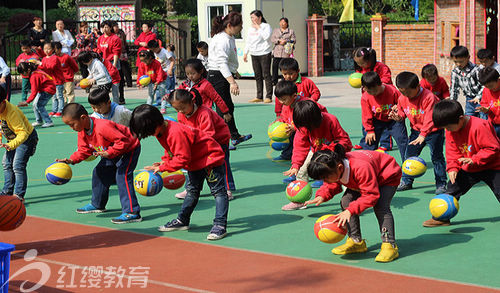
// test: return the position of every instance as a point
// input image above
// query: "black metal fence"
(165, 32)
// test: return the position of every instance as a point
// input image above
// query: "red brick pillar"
(314, 46)
(378, 22)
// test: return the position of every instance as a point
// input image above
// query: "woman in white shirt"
(223, 64)
(258, 44)
(63, 36)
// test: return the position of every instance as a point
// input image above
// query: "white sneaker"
(181, 195)
(47, 124)
(230, 195)
(294, 206)
(35, 124)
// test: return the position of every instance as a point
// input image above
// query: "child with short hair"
(43, 88)
(377, 101)
(98, 74)
(286, 93)
(167, 61)
(465, 76)
(315, 130)
(151, 67)
(193, 150)
(365, 60)
(415, 103)
(171, 82)
(119, 151)
(52, 66)
(105, 109)
(485, 58)
(196, 79)
(5, 77)
(192, 112)
(290, 70)
(371, 179)
(27, 54)
(433, 82)
(490, 102)
(202, 48)
(69, 68)
(21, 143)
(472, 152)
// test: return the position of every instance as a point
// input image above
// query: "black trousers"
(222, 87)
(126, 71)
(276, 67)
(262, 69)
(465, 180)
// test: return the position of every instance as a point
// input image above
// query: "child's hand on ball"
(343, 217)
(155, 169)
(289, 129)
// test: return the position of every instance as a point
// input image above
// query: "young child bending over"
(191, 149)
(371, 179)
(119, 151)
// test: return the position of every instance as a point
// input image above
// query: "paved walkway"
(335, 91)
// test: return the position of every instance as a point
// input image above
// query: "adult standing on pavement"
(223, 64)
(283, 39)
(63, 36)
(124, 64)
(143, 39)
(109, 44)
(258, 44)
(86, 40)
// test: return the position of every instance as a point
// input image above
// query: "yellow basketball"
(327, 230)
(443, 207)
(58, 173)
(84, 83)
(144, 80)
(90, 158)
(277, 131)
(148, 183)
(355, 80)
(414, 167)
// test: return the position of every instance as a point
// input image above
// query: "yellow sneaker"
(350, 247)
(387, 253)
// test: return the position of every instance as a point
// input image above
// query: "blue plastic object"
(5, 250)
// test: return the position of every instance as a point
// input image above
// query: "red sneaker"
(357, 147)
(52, 114)
(58, 114)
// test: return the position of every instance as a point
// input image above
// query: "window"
(222, 9)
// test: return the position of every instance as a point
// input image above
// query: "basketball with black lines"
(12, 213)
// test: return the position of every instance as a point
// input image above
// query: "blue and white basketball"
(443, 207)
(414, 167)
(148, 183)
(279, 145)
(58, 173)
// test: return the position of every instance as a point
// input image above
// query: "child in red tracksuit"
(119, 151)
(376, 103)
(490, 102)
(286, 93)
(52, 66)
(151, 67)
(115, 80)
(191, 149)
(433, 82)
(196, 79)
(371, 179)
(27, 54)
(69, 68)
(289, 67)
(42, 89)
(416, 103)
(365, 60)
(192, 112)
(315, 129)
(472, 152)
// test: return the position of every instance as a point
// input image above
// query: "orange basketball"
(12, 213)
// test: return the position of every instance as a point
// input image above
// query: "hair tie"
(223, 17)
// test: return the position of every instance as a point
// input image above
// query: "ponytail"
(219, 23)
(325, 162)
(23, 67)
(369, 55)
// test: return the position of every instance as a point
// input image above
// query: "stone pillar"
(315, 46)
(378, 23)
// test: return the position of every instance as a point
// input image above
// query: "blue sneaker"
(280, 158)
(127, 218)
(241, 139)
(289, 179)
(156, 104)
(232, 148)
(174, 225)
(89, 209)
(217, 232)
(317, 184)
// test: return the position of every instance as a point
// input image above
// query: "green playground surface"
(464, 252)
